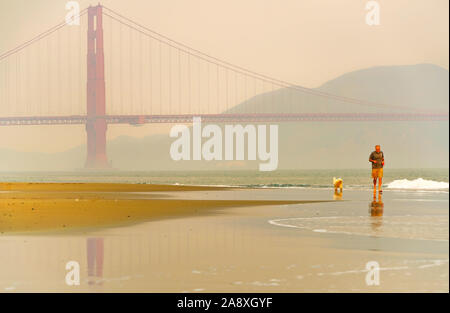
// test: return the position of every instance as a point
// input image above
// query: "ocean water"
(420, 227)
(254, 248)
(398, 179)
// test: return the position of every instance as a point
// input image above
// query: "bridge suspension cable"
(38, 37)
(242, 70)
(167, 78)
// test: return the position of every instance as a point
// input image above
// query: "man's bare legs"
(380, 183)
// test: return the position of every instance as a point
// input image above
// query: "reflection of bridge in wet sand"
(30, 262)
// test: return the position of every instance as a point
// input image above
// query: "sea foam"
(417, 184)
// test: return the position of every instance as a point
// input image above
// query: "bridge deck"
(187, 118)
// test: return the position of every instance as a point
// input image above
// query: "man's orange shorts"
(377, 173)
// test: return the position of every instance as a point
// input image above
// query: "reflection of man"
(376, 207)
(377, 160)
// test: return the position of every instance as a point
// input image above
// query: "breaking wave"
(418, 184)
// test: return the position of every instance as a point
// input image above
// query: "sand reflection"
(95, 255)
(337, 194)
(376, 208)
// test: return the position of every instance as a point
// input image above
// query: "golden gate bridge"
(125, 73)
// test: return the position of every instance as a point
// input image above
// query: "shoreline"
(220, 240)
(101, 187)
(31, 207)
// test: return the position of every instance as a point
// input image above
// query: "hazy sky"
(306, 42)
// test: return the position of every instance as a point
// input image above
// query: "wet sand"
(50, 207)
(154, 239)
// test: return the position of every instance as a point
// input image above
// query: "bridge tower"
(95, 102)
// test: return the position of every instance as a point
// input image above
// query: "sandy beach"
(175, 238)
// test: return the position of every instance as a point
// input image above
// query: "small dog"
(338, 183)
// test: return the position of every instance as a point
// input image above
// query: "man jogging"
(377, 159)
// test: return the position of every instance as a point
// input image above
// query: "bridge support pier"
(96, 144)
(95, 102)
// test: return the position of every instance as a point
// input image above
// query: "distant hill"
(306, 144)
(422, 86)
